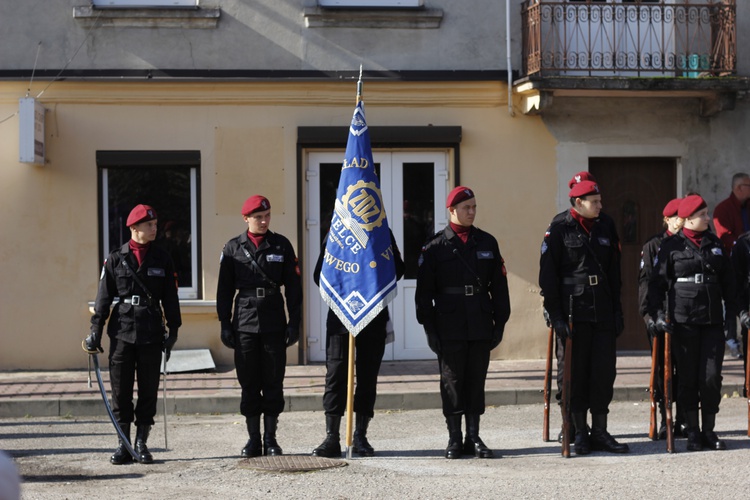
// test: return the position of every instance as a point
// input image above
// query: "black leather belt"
(591, 280)
(136, 300)
(466, 290)
(259, 292)
(699, 278)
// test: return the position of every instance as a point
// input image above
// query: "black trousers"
(700, 354)
(463, 372)
(743, 334)
(260, 359)
(370, 346)
(126, 361)
(594, 368)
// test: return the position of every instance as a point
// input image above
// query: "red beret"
(459, 194)
(580, 177)
(583, 188)
(255, 203)
(670, 209)
(690, 204)
(141, 213)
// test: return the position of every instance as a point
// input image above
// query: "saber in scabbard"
(653, 433)
(125, 441)
(547, 384)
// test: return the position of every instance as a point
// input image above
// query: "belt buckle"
(699, 278)
(593, 280)
(260, 293)
(135, 300)
(468, 290)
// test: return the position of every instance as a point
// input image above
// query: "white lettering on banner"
(351, 242)
(340, 265)
(361, 163)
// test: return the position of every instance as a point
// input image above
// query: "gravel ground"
(68, 458)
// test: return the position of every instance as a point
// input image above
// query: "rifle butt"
(547, 386)
(652, 428)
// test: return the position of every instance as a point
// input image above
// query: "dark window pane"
(419, 212)
(167, 190)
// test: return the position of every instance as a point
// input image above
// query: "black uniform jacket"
(583, 265)
(333, 323)
(697, 280)
(648, 255)
(142, 323)
(258, 304)
(741, 265)
(462, 288)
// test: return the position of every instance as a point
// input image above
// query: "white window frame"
(184, 292)
(145, 3)
(406, 4)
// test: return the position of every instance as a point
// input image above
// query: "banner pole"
(350, 398)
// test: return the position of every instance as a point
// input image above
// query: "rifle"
(567, 375)
(668, 386)
(653, 432)
(548, 385)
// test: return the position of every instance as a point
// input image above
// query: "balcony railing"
(688, 38)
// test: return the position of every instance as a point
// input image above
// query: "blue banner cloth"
(358, 277)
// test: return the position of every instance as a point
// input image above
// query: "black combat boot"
(473, 445)
(141, 437)
(454, 437)
(253, 447)
(601, 440)
(662, 432)
(122, 455)
(709, 438)
(693, 431)
(572, 433)
(360, 445)
(270, 446)
(582, 443)
(680, 427)
(331, 446)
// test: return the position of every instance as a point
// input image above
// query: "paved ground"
(55, 428)
(67, 458)
(403, 385)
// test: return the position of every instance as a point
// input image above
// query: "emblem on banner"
(360, 210)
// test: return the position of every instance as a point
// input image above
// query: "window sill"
(316, 17)
(187, 307)
(201, 18)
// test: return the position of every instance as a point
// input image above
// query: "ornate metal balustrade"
(688, 38)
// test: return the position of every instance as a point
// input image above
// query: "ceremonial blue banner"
(358, 277)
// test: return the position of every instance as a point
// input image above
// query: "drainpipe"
(508, 57)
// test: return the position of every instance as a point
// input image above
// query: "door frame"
(409, 342)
